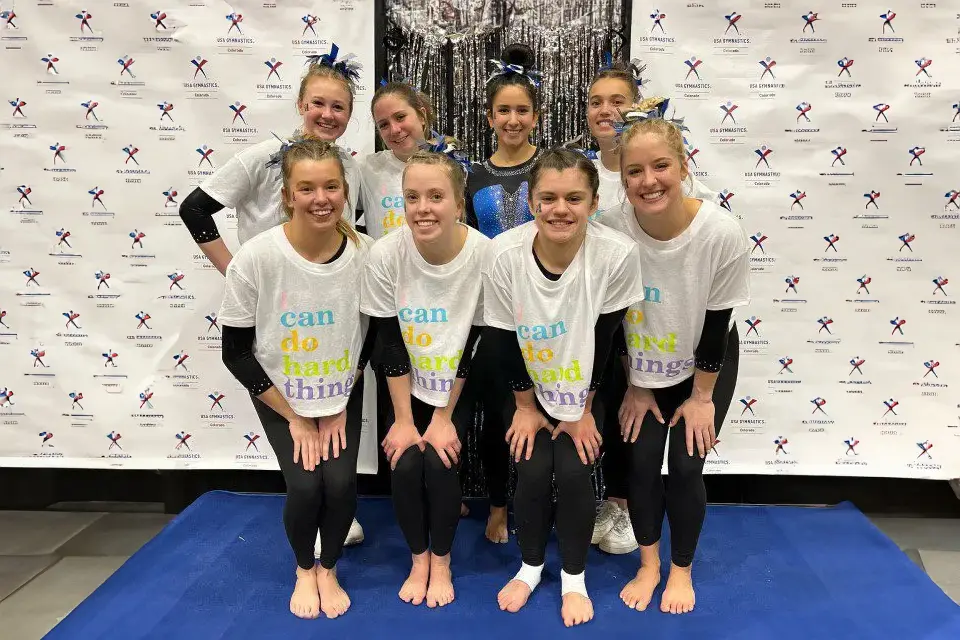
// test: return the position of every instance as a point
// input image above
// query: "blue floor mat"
(223, 569)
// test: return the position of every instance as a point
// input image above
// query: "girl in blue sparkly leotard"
(497, 201)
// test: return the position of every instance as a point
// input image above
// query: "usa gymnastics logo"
(758, 239)
(763, 153)
(845, 64)
(906, 239)
(781, 443)
(71, 317)
(888, 20)
(211, 318)
(691, 152)
(915, 154)
(808, 21)
(165, 109)
(238, 108)
(831, 241)
(898, 323)
(733, 19)
(856, 362)
(818, 405)
(825, 323)
(171, 198)
(767, 65)
(881, 110)
(939, 283)
(748, 404)
(180, 359)
(862, 284)
(182, 449)
(931, 367)
(18, 106)
(797, 196)
(728, 108)
(891, 406)
(804, 108)
(216, 397)
(63, 238)
(693, 66)
(84, 17)
(753, 322)
(205, 154)
(838, 154)
(657, 19)
(785, 363)
(273, 65)
(953, 199)
(308, 23)
(792, 282)
(51, 61)
(872, 198)
(851, 443)
(887, 33)
(176, 278)
(76, 397)
(158, 17)
(126, 66)
(142, 317)
(234, 19)
(8, 18)
(90, 106)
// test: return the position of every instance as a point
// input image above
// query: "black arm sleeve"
(620, 341)
(369, 340)
(464, 369)
(394, 359)
(237, 355)
(709, 353)
(510, 357)
(197, 211)
(604, 334)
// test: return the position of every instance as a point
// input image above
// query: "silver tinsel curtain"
(444, 47)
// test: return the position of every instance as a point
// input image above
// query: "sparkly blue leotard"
(497, 197)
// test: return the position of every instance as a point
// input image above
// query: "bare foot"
(678, 596)
(513, 596)
(497, 525)
(639, 592)
(576, 609)
(414, 589)
(440, 590)
(464, 510)
(305, 601)
(334, 601)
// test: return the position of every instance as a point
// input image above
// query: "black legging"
(685, 500)
(554, 460)
(426, 495)
(614, 460)
(324, 499)
(486, 386)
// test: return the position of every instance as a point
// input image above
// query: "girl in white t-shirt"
(402, 116)
(422, 289)
(616, 86)
(681, 354)
(293, 335)
(555, 292)
(250, 181)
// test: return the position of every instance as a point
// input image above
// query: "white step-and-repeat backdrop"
(833, 134)
(115, 111)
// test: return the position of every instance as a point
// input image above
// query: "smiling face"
(512, 115)
(314, 194)
(432, 206)
(399, 124)
(652, 171)
(562, 200)
(326, 106)
(607, 95)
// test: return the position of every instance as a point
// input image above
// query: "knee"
(567, 462)
(341, 484)
(682, 467)
(539, 468)
(433, 464)
(409, 466)
(305, 486)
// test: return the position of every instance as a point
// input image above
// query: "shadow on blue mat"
(223, 569)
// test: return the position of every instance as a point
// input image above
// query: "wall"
(109, 343)
(833, 136)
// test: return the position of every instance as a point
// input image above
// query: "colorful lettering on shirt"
(428, 370)
(646, 350)
(309, 378)
(542, 369)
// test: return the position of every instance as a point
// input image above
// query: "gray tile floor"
(51, 560)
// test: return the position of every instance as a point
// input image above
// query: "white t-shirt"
(435, 304)
(554, 319)
(706, 267)
(307, 315)
(611, 189)
(381, 175)
(247, 185)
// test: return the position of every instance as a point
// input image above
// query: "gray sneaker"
(607, 514)
(620, 539)
(354, 536)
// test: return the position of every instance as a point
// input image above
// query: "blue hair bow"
(447, 146)
(503, 69)
(347, 66)
(634, 115)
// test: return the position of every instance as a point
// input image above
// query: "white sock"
(529, 575)
(573, 583)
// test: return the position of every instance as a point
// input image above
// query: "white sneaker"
(620, 539)
(607, 514)
(354, 536)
